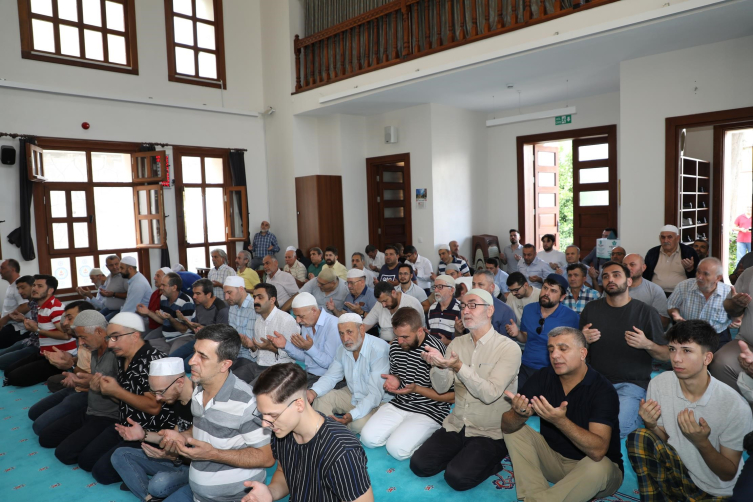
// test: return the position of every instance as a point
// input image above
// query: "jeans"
(109, 314)
(630, 402)
(743, 248)
(15, 353)
(744, 486)
(135, 467)
(56, 406)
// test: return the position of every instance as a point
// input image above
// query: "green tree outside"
(566, 195)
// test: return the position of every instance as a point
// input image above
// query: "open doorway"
(737, 195)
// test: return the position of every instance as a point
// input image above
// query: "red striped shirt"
(50, 313)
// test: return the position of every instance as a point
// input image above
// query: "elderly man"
(500, 276)
(407, 286)
(110, 296)
(330, 260)
(250, 277)
(220, 271)
(481, 365)
(282, 281)
(549, 255)
(511, 255)
(329, 290)
(445, 258)
(444, 315)
(361, 360)
(578, 293)
(173, 333)
(483, 279)
(156, 298)
(358, 261)
(670, 263)
(388, 301)
(12, 331)
(422, 267)
(317, 262)
(360, 299)
(139, 289)
(578, 448)
(388, 272)
(455, 251)
(572, 256)
(644, 290)
(263, 244)
(242, 317)
(374, 258)
(521, 294)
(417, 410)
(294, 267)
(532, 267)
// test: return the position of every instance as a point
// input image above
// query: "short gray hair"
(245, 254)
(715, 261)
(220, 252)
(112, 257)
(573, 246)
(360, 254)
(485, 272)
(567, 330)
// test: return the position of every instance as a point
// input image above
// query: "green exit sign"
(563, 119)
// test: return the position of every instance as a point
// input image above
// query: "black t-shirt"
(593, 400)
(331, 467)
(183, 416)
(611, 355)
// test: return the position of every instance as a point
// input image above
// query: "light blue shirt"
(691, 303)
(364, 376)
(139, 291)
(537, 267)
(501, 280)
(243, 319)
(326, 342)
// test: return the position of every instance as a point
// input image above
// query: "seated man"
(12, 331)
(220, 271)
(360, 299)
(242, 269)
(316, 255)
(578, 293)
(407, 286)
(28, 343)
(358, 262)
(374, 258)
(316, 343)
(521, 294)
(617, 255)
(154, 300)
(422, 266)
(552, 257)
(283, 281)
(532, 267)
(361, 360)
(500, 276)
(446, 257)
(335, 464)
(644, 290)
(109, 296)
(330, 261)
(139, 289)
(174, 332)
(444, 316)
(295, 267)
(538, 320)
(329, 290)
(389, 300)
(417, 410)
(692, 444)
(483, 279)
(481, 365)
(388, 272)
(578, 448)
(455, 250)
(701, 248)
(670, 263)
(572, 256)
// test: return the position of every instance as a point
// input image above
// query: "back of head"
(81, 305)
(226, 336)
(382, 288)
(281, 381)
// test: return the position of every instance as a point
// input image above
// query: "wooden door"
(546, 165)
(389, 198)
(319, 208)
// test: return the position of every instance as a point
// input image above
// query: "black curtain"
(165, 253)
(237, 161)
(21, 236)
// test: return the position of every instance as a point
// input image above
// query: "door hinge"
(377, 179)
(379, 231)
(379, 199)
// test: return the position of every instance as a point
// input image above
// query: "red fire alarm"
(85, 125)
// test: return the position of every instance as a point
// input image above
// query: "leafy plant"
(566, 196)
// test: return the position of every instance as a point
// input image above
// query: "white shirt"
(285, 284)
(554, 256)
(378, 260)
(383, 317)
(12, 300)
(284, 324)
(413, 290)
(423, 270)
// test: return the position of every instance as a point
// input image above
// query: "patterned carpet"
(29, 472)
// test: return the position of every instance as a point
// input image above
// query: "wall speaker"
(390, 134)
(8, 155)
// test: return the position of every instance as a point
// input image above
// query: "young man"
(331, 262)
(521, 294)
(317, 262)
(389, 300)
(578, 448)
(500, 276)
(512, 254)
(644, 290)
(422, 267)
(445, 322)
(552, 257)
(408, 287)
(388, 272)
(701, 248)
(318, 458)
(578, 294)
(173, 333)
(691, 446)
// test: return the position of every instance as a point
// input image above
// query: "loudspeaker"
(390, 134)
(8, 155)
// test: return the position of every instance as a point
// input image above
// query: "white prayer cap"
(483, 294)
(355, 273)
(178, 268)
(304, 300)
(89, 318)
(669, 228)
(166, 270)
(129, 320)
(447, 279)
(290, 248)
(468, 281)
(235, 281)
(129, 260)
(167, 366)
(350, 317)
(453, 266)
(96, 271)
(446, 247)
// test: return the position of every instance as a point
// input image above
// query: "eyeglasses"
(259, 419)
(515, 290)
(115, 337)
(353, 282)
(162, 392)
(541, 324)
(440, 287)
(472, 305)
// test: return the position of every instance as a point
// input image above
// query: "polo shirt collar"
(451, 306)
(48, 302)
(705, 398)
(226, 390)
(363, 293)
(676, 251)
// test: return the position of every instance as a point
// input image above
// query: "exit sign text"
(563, 119)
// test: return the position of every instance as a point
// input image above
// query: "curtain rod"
(24, 136)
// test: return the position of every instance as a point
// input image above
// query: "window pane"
(92, 12)
(69, 42)
(596, 198)
(93, 45)
(213, 170)
(215, 214)
(184, 62)
(67, 9)
(78, 204)
(114, 16)
(196, 258)
(44, 37)
(205, 36)
(116, 49)
(183, 30)
(43, 7)
(547, 179)
(144, 224)
(153, 202)
(393, 195)
(156, 232)
(547, 158)
(193, 213)
(236, 214)
(59, 236)
(547, 200)
(60, 165)
(111, 167)
(57, 204)
(595, 175)
(149, 167)
(207, 65)
(593, 152)
(183, 7)
(84, 266)
(142, 203)
(393, 212)
(81, 235)
(392, 177)
(116, 225)
(205, 9)
(61, 269)
(191, 169)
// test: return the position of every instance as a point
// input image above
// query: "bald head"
(634, 263)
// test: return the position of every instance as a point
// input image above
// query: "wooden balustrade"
(390, 34)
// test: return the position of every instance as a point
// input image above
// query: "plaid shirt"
(586, 295)
(243, 319)
(219, 275)
(262, 243)
(691, 303)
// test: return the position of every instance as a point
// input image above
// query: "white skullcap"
(447, 279)
(129, 320)
(468, 281)
(166, 270)
(178, 268)
(129, 260)
(304, 300)
(669, 228)
(483, 294)
(96, 271)
(235, 281)
(290, 248)
(453, 266)
(345, 318)
(355, 273)
(446, 247)
(167, 366)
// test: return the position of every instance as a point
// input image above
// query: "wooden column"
(439, 22)
(461, 21)
(487, 28)
(474, 20)
(297, 52)
(450, 25)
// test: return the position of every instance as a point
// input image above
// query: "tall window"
(195, 42)
(97, 34)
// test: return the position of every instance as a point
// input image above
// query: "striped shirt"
(219, 274)
(457, 261)
(243, 319)
(585, 295)
(331, 467)
(442, 322)
(184, 304)
(408, 366)
(227, 424)
(50, 313)
(284, 324)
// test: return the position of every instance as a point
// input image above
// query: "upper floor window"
(195, 42)
(97, 34)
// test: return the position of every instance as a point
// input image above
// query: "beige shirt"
(298, 271)
(339, 270)
(490, 367)
(517, 305)
(669, 271)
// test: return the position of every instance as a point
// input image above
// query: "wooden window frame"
(229, 211)
(143, 241)
(160, 158)
(69, 219)
(219, 34)
(25, 17)
(35, 163)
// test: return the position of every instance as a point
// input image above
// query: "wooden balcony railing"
(403, 30)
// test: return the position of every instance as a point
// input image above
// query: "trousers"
(55, 406)
(337, 401)
(30, 370)
(403, 432)
(136, 468)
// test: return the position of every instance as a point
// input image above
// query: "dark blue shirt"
(502, 316)
(536, 354)
(188, 279)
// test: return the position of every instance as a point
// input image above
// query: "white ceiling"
(587, 67)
